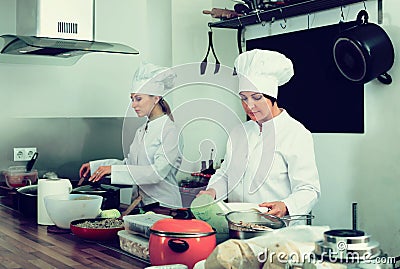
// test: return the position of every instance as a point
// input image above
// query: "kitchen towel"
(50, 187)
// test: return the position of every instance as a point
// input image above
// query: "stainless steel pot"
(347, 248)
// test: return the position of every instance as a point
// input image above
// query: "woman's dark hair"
(272, 99)
(165, 108)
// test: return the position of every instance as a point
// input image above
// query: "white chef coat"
(153, 160)
(276, 164)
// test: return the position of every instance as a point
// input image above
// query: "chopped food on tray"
(102, 224)
(248, 226)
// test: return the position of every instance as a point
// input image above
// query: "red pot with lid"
(180, 241)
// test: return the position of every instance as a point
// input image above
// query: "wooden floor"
(24, 244)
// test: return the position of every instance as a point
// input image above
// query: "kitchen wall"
(74, 113)
(190, 43)
(63, 143)
(83, 105)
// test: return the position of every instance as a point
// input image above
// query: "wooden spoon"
(132, 206)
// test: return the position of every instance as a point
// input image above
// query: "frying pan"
(95, 234)
(110, 194)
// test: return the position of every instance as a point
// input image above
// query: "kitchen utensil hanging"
(364, 52)
(203, 65)
(31, 162)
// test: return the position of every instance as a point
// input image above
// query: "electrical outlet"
(19, 154)
(29, 152)
(23, 154)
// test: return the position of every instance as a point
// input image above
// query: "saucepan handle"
(297, 217)
(28, 181)
(178, 245)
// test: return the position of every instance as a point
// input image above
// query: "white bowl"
(64, 208)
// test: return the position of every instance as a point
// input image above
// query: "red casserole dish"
(96, 232)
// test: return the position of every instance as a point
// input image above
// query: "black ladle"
(31, 162)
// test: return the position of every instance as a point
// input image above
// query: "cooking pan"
(27, 201)
(97, 229)
(110, 194)
(247, 224)
(364, 52)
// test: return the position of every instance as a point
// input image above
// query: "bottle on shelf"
(203, 166)
(210, 169)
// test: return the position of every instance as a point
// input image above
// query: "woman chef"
(155, 153)
(270, 158)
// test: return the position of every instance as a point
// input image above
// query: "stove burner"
(345, 233)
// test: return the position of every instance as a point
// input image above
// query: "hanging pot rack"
(283, 12)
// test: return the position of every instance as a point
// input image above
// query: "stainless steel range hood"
(31, 45)
(60, 28)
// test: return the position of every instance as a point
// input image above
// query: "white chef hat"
(152, 79)
(263, 71)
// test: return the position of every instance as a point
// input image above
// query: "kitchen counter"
(25, 244)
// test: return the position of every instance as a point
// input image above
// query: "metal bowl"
(251, 223)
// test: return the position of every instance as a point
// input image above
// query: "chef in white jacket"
(269, 159)
(155, 153)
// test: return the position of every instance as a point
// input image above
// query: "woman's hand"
(210, 192)
(84, 170)
(101, 172)
(276, 208)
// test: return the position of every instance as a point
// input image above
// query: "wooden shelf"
(283, 12)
